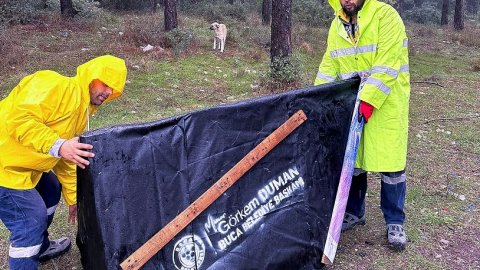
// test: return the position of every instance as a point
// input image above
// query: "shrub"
(467, 37)
(85, 8)
(19, 11)
(285, 69)
(220, 12)
(237, 11)
(424, 31)
(128, 4)
(29, 11)
(312, 13)
(428, 13)
(244, 36)
(179, 40)
(409, 4)
(141, 34)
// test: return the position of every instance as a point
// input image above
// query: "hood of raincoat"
(335, 4)
(111, 70)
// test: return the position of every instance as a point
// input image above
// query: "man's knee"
(33, 227)
(50, 190)
(30, 221)
(49, 183)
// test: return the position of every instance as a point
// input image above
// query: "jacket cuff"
(54, 150)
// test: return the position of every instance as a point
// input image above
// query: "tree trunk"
(281, 43)
(445, 12)
(281, 29)
(266, 11)
(66, 8)
(458, 19)
(170, 14)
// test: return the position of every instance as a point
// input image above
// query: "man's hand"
(72, 214)
(74, 151)
(365, 110)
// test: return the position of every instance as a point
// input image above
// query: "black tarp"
(275, 217)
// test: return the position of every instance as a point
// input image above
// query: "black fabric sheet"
(274, 217)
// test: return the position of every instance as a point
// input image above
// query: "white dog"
(220, 35)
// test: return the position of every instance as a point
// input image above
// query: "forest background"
(274, 47)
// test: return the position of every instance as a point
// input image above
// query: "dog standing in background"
(220, 31)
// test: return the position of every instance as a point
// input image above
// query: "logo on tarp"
(228, 229)
(188, 253)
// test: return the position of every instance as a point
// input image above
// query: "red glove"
(365, 110)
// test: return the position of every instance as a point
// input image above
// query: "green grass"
(180, 85)
(429, 64)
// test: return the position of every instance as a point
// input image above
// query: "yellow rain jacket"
(42, 108)
(381, 53)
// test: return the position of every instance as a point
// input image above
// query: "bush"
(244, 36)
(141, 34)
(467, 37)
(285, 69)
(19, 11)
(428, 13)
(85, 8)
(409, 4)
(219, 12)
(128, 4)
(179, 40)
(29, 11)
(424, 31)
(312, 13)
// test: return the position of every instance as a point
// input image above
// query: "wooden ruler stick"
(167, 233)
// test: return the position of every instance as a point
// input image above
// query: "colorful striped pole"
(343, 190)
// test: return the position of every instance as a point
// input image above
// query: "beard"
(354, 9)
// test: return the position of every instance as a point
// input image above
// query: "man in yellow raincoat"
(40, 121)
(367, 38)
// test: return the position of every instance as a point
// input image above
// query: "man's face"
(351, 7)
(99, 92)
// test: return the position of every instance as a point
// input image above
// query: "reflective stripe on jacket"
(381, 54)
(42, 108)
